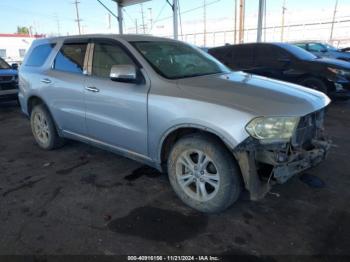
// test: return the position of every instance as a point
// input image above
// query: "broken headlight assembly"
(272, 129)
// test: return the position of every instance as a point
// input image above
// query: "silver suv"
(175, 108)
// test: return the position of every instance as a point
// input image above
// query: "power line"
(160, 12)
(109, 10)
(187, 11)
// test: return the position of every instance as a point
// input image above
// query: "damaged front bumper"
(265, 164)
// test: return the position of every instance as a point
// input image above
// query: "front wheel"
(203, 174)
(315, 83)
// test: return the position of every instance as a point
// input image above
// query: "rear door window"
(243, 56)
(70, 58)
(267, 55)
(39, 55)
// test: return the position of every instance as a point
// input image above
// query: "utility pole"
(143, 20)
(333, 21)
(283, 16)
(78, 20)
(205, 23)
(175, 7)
(235, 32)
(150, 18)
(58, 24)
(260, 20)
(109, 21)
(241, 21)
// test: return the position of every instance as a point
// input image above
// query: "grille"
(8, 86)
(309, 128)
(6, 78)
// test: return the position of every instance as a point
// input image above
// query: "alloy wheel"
(197, 175)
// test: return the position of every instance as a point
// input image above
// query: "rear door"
(242, 57)
(116, 112)
(65, 87)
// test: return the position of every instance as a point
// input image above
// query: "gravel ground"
(81, 200)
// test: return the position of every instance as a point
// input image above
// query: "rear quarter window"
(70, 58)
(39, 55)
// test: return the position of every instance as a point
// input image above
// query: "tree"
(22, 30)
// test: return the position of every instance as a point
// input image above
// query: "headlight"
(270, 129)
(339, 71)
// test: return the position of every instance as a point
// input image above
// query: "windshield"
(175, 60)
(3, 64)
(298, 52)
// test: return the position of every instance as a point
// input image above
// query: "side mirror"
(14, 66)
(123, 73)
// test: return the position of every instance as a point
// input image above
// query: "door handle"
(92, 89)
(45, 81)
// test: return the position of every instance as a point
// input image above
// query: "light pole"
(260, 19)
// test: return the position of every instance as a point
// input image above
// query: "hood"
(259, 96)
(8, 72)
(333, 63)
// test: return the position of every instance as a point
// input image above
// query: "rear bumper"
(341, 89)
(7, 95)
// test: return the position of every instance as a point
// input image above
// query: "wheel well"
(324, 80)
(175, 135)
(32, 102)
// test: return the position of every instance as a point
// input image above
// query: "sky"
(53, 17)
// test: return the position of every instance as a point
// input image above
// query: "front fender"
(225, 137)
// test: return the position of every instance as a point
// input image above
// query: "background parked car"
(324, 50)
(346, 49)
(289, 63)
(8, 81)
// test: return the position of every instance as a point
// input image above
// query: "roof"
(281, 44)
(126, 37)
(306, 42)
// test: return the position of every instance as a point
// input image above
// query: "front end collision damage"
(263, 165)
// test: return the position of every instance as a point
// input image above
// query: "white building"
(14, 46)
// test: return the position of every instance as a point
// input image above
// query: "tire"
(315, 83)
(44, 129)
(219, 174)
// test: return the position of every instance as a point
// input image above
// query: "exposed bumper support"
(252, 182)
(285, 163)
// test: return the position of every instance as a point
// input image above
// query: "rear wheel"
(203, 174)
(44, 129)
(315, 83)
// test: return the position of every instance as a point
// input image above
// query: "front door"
(116, 112)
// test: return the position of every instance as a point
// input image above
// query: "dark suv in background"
(324, 50)
(288, 63)
(8, 81)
